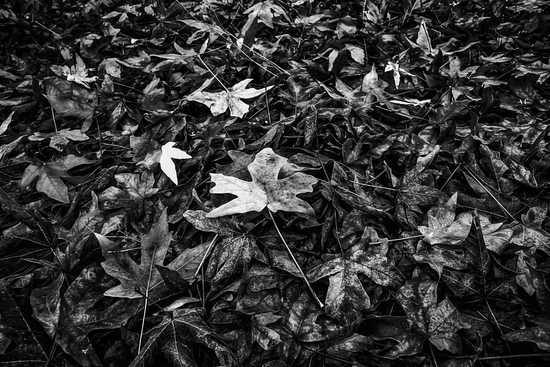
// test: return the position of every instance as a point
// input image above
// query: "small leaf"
(219, 102)
(443, 227)
(166, 163)
(77, 73)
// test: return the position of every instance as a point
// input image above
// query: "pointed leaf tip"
(166, 164)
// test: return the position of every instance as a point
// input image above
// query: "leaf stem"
(206, 254)
(296, 262)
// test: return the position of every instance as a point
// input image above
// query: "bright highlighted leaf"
(166, 163)
(77, 73)
(443, 227)
(266, 189)
(219, 102)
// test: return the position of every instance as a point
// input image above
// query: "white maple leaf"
(218, 102)
(265, 189)
(168, 152)
(77, 73)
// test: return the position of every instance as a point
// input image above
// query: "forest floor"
(277, 183)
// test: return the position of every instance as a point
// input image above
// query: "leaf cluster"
(274, 183)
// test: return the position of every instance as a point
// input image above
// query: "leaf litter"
(267, 183)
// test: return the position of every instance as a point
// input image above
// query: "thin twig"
(206, 255)
(296, 262)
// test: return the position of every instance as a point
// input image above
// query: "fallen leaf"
(346, 295)
(265, 190)
(144, 279)
(166, 164)
(134, 189)
(178, 333)
(443, 227)
(69, 318)
(50, 174)
(219, 102)
(77, 73)
(438, 322)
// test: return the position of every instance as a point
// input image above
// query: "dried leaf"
(438, 322)
(219, 102)
(166, 163)
(72, 316)
(443, 227)
(77, 73)
(138, 280)
(346, 295)
(49, 176)
(265, 190)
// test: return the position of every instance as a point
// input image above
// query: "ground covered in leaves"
(274, 183)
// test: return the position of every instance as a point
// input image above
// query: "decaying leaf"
(134, 189)
(77, 73)
(177, 333)
(346, 295)
(426, 320)
(68, 318)
(50, 174)
(138, 280)
(443, 227)
(219, 102)
(265, 190)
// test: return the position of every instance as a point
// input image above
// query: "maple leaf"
(144, 279)
(59, 139)
(77, 73)
(413, 194)
(426, 320)
(346, 296)
(265, 190)
(362, 97)
(178, 333)
(233, 254)
(166, 164)
(439, 322)
(68, 99)
(263, 12)
(135, 188)
(443, 227)
(50, 174)
(68, 318)
(218, 102)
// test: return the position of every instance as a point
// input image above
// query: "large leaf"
(50, 174)
(178, 332)
(144, 279)
(15, 333)
(233, 254)
(346, 295)
(438, 322)
(70, 317)
(265, 190)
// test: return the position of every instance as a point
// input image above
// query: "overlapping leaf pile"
(274, 183)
